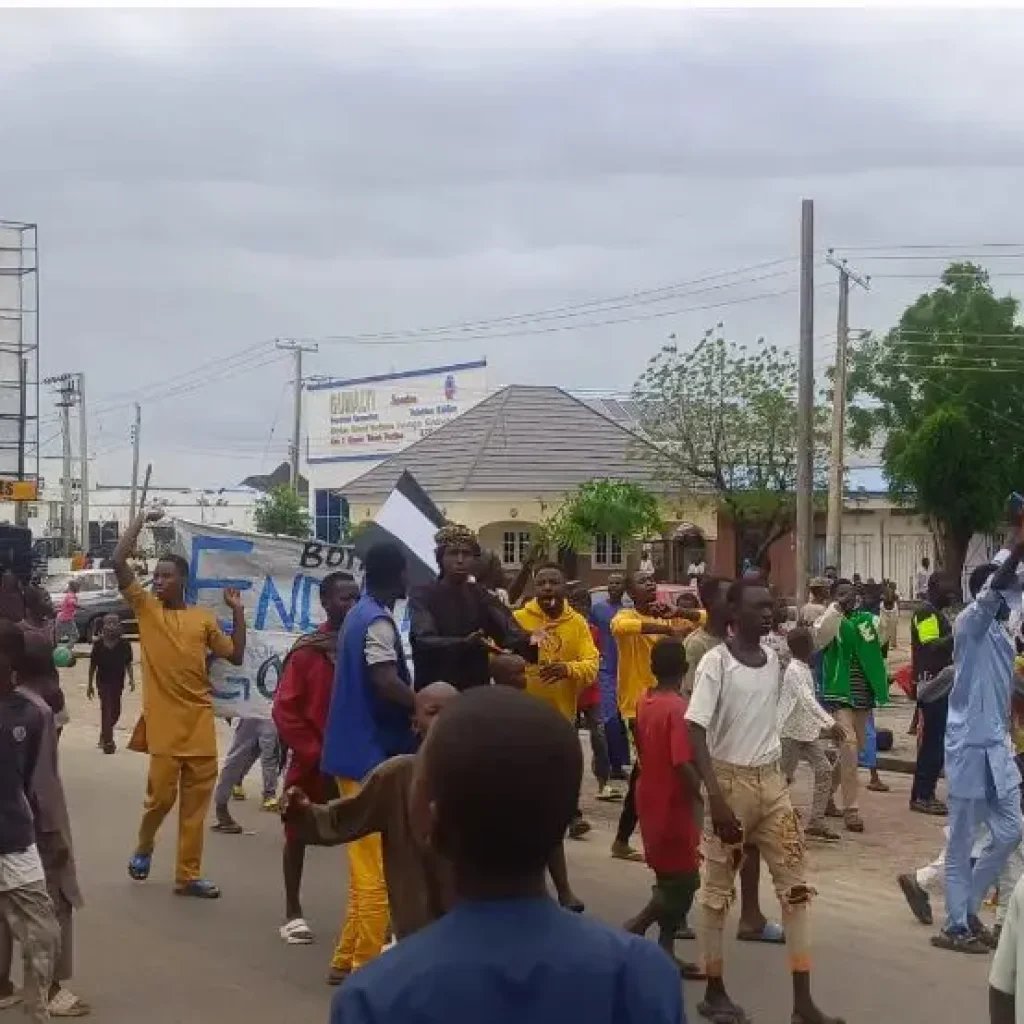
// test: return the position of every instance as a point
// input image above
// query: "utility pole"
(296, 348)
(83, 442)
(65, 383)
(837, 468)
(136, 431)
(805, 406)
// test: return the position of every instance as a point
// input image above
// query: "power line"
(639, 297)
(343, 340)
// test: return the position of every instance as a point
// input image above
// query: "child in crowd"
(67, 631)
(415, 892)
(666, 792)
(25, 904)
(54, 842)
(803, 725)
(110, 664)
(495, 789)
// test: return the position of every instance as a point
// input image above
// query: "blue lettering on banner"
(204, 542)
(270, 595)
(232, 688)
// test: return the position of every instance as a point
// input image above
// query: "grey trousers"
(28, 917)
(813, 752)
(254, 739)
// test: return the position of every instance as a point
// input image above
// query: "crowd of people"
(453, 779)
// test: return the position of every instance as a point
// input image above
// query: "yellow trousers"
(367, 914)
(194, 778)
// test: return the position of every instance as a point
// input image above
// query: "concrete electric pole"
(805, 406)
(136, 433)
(83, 444)
(65, 384)
(296, 348)
(837, 467)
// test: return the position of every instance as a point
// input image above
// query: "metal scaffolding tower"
(19, 351)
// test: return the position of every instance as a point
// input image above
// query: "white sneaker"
(296, 932)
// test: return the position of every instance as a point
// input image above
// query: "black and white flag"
(410, 519)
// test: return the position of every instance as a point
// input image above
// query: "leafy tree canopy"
(617, 507)
(724, 415)
(283, 512)
(945, 389)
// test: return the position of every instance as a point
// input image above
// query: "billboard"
(375, 417)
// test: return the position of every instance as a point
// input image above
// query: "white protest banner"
(278, 578)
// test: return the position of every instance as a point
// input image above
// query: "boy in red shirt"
(301, 703)
(667, 788)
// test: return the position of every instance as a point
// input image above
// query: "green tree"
(617, 507)
(283, 512)
(723, 417)
(945, 393)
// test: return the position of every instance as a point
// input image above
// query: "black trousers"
(932, 752)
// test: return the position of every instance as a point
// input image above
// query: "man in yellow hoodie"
(636, 630)
(567, 663)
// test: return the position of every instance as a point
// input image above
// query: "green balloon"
(63, 656)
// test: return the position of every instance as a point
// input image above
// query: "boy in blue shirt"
(495, 788)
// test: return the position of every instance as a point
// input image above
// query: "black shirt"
(21, 730)
(110, 663)
(441, 616)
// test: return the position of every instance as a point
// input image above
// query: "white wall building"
(109, 508)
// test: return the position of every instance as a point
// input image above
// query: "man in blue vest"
(370, 720)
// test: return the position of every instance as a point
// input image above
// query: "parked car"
(98, 595)
(668, 593)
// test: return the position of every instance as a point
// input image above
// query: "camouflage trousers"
(28, 913)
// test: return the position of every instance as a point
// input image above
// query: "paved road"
(145, 954)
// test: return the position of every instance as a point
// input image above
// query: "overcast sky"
(204, 182)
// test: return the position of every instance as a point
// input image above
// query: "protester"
(37, 671)
(1006, 978)
(803, 724)
(854, 680)
(508, 670)
(301, 705)
(12, 601)
(921, 580)
(254, 739)
(567, 661)
(505, 953)
(370, 720)
(56, 851)
(982, 780)
(931, 652)
(416, 888)
(490, 574)
(588, 704)
(776, 638)
(667, 791)
(455, 622)
(601, 615)
(819, 589)
(733, 716)
(177, 724)
(25, 904)
(636, 630)
(67, 631)
(753, 925)
(110, 665)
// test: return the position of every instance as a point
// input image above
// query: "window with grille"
(515, 546)
(608, 551)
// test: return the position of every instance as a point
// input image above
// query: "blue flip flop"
(772, 933)
(199, 888)
(139, 865)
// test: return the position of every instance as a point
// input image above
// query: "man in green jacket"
(854, 677)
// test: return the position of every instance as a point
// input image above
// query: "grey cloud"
(207, 181)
